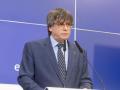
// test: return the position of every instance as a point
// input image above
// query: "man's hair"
(58, 16)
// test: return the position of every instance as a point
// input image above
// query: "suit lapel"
(70, 62)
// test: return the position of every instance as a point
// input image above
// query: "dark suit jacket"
(39, 67)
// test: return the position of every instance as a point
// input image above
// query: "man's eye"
(61, 24)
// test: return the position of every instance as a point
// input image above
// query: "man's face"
(60, 32)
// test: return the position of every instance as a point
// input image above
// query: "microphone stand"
(97, 74)
(64, 49)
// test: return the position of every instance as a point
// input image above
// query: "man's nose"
(66, 27)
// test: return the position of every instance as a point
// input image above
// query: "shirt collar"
(53, 41)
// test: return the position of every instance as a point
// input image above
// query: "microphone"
(64, 46)
(96, 73)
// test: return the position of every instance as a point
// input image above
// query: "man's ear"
(50, 29)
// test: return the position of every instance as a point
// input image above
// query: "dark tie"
(61, 62)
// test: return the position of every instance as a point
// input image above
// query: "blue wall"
(103, 46)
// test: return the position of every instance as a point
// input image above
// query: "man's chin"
(62, 40)
(65, 38)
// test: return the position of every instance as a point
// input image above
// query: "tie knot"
(60, 45)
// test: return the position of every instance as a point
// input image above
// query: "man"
(54, 61)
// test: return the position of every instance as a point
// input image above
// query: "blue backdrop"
(98, 31)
